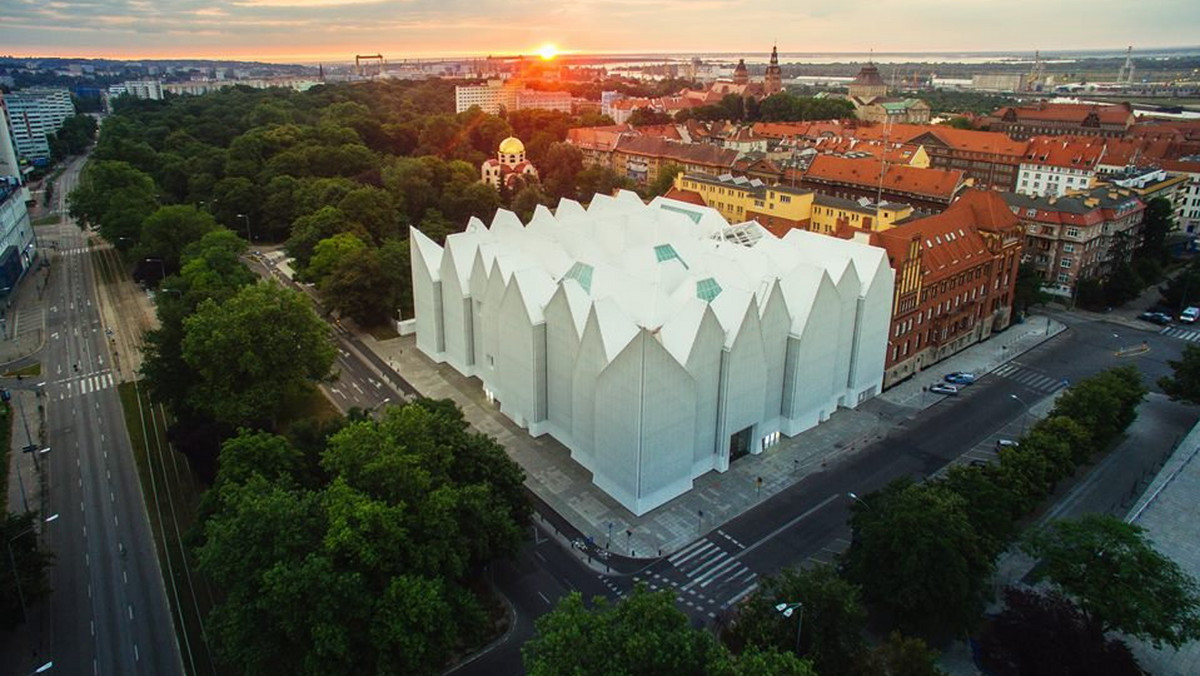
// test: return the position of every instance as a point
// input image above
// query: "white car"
(1189, 315)
(944, 388)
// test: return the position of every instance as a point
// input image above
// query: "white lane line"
(716, 573)
(788, 525)
(92, 624)
(136, 656)
(131, 612)
(685, 550)
(125, 576)
(355, 386)
(740, 595)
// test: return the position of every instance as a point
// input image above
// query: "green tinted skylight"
(665, 252)
(582, 273)
(707, 289)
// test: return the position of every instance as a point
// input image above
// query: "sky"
(335, 30)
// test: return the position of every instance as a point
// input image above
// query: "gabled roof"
(969, 140)
(938, 183)
(1064, 152)
(950, 241)
(691, 153)
(1077, 113)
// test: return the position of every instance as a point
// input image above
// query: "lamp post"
(376, 407)
(859, 500)
(249, 233)
(1025, 416)
(786, 609)
(12, 559)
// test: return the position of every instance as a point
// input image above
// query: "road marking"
(788, 525)
(115, 520)
(85, 531)
(740, 595)
(136, 657)
(544, 598)
(92, 624)
(706, 544)
(355, 386)
(125, 576)
(131, 611)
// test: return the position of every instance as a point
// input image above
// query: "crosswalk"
(706, 576)
(75, 252)
(1031, 378)
(1188, 334)
(85, 384)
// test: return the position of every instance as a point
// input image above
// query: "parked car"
(943, 388)
(960, 378)
(1155, 318)
(1189, 315)
(1002, 444)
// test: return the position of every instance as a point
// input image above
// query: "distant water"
(1017, 56)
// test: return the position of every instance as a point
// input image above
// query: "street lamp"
(1025, 417)
(12, 559)
(786, 609)
(376, 407)
(249, 234)
(859, 500)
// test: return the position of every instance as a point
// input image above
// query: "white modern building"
(138, 89)
(18, 247)
(32, 115)
(512, 96)
(656, 342)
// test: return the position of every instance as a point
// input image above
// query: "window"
(1072, 232)
(1031, 212)
(1065, 262)
(1068, 248)
(1064, 278)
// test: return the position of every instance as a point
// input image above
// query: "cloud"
(405, 28)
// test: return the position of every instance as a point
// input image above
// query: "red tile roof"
(1117, 113)
(689, 196)
(937, 183)
(968, 140)
(691, 153)
(1064, 151)
(950, 241)
(596, 138)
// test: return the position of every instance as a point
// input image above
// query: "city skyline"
(314, 30)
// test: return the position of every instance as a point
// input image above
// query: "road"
(108, 613)
(809, 521)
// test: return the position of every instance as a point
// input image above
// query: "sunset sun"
(548, 52)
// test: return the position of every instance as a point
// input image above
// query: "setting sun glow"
(548, 52)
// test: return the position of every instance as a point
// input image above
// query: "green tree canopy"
(114, 197)
(26, 559)
(329, 253)
(916, 554)
(254, 352)
(834, 619)
(1184, 381)
(665, 179)
(1120, 582)
(166, 233)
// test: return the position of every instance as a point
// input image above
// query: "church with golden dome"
(508, 165)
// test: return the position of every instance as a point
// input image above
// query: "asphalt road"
(809, 521)
(108, 613)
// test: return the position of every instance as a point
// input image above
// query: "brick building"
(955, 277)
(990, 158)
(1080, 236)
(1057, 119)
(1056, 165)
(640, 157)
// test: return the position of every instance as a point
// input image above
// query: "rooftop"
(694, 153)
(937, 183)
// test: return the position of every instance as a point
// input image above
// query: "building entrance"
(739, 443)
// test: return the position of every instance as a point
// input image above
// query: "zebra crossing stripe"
(718, 572)
(693, 552)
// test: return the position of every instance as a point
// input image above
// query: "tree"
(902, 655)
(1028, 291)
(560, 170)
(166, 233)
(601, 180)
(915, 554)
(114, 197)
(1105, 404)
(369, 571)
(29, 562)
(647, 116)
(1158, 222)
(254, 353)
(665, 179)
(959, 122)
(642, 634)
(1184, 381)
(373, 210)
(358, 288)
(834, 619)
(329, 253)
(527, 200)
(993, 505)
(310, 229)
(1045, 635)
(1119, 581)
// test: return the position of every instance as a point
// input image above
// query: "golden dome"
(512, 146)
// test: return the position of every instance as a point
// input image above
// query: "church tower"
(773, 83)
(740, 75)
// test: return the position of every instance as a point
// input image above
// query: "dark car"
(1159, 318)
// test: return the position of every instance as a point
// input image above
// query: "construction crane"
(368, 64)
(1125, 75)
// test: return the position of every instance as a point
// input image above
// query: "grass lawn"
(172, 494)
(34, 369)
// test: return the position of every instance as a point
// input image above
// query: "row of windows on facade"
(954, 328)
(946, 306)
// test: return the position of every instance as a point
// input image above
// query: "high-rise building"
(497, 94)
(139, 89)
(34, 114)
(18, 248)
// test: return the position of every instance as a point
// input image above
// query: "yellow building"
(781, 208)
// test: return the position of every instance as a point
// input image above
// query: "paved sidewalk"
(24, 324)
(715, 497)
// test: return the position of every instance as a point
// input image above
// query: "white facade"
(140, 89)
(18, 248)
(32, 115)
(497, 94)
(1045, 180)
(657, 342)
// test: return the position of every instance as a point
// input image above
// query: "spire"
(774, 55)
